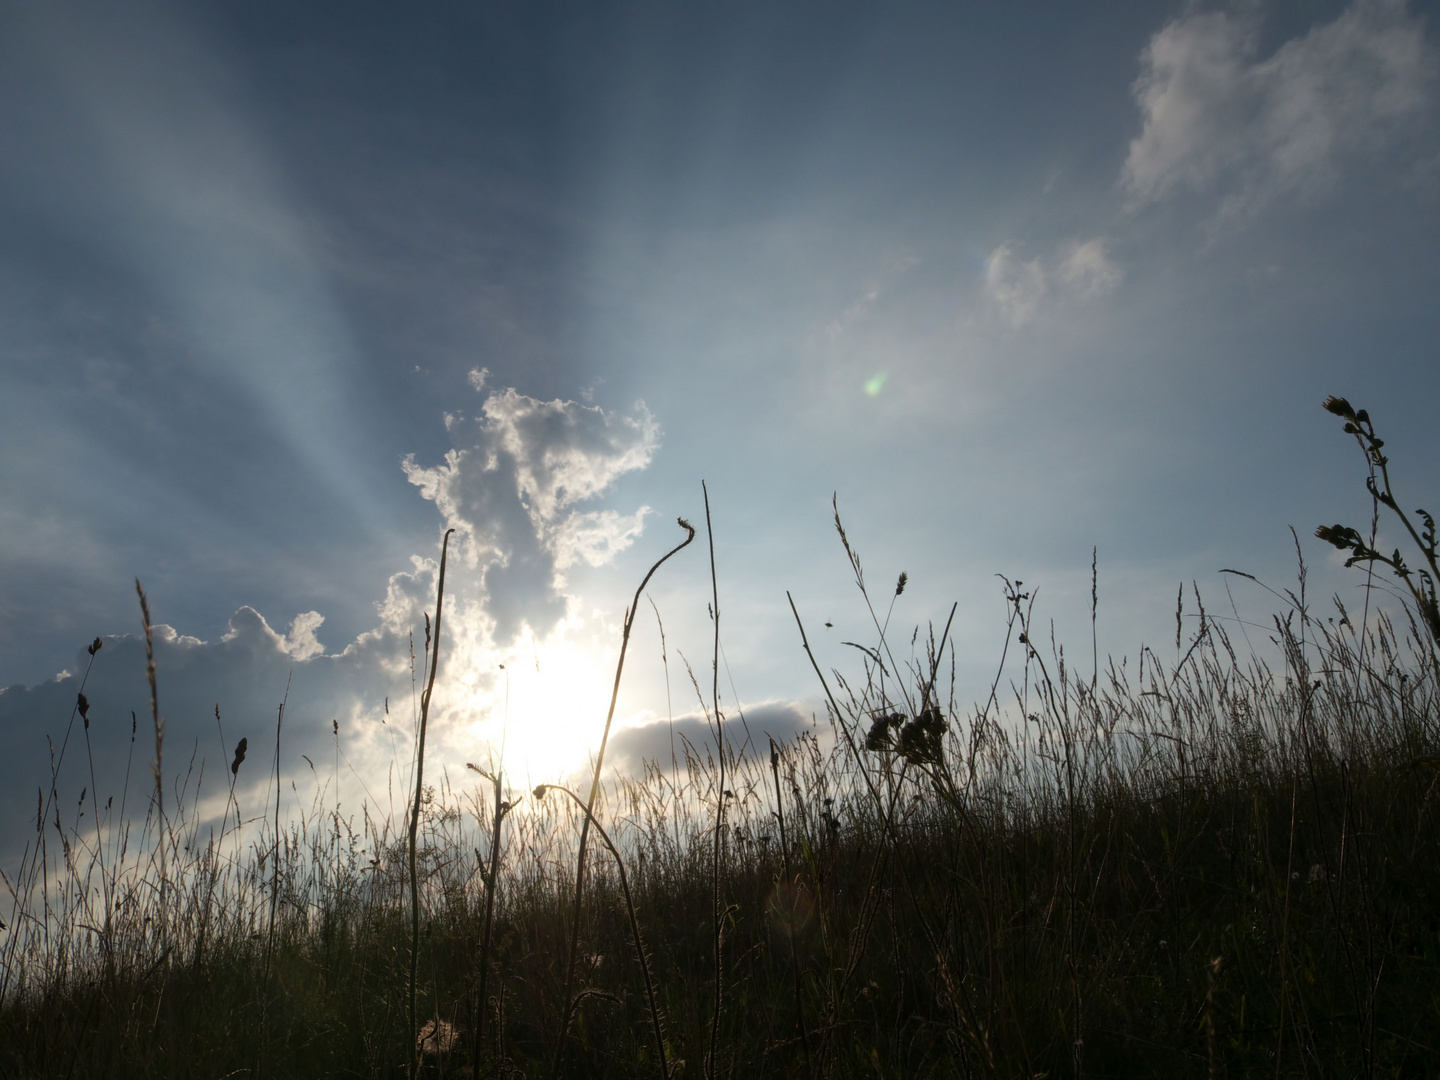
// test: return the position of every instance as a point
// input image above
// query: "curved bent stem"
(595, 794)
(640, 956)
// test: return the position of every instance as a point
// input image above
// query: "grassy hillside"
(1210, 865)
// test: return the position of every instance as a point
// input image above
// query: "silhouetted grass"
(1221, 864)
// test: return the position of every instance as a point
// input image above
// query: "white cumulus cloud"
(1218, 117)
(301, 643)
(510, 489)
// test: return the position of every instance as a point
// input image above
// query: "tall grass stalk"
(497, 819)
(718, 913)
(264, 1039)
(414, 1040)
(158, 769)
(791, 882)
(31, 863)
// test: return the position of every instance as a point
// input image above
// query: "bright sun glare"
(544, 708)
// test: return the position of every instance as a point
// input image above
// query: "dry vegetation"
(1207, 865)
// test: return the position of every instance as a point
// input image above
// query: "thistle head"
(878, 739)
(1340, 407)
(1341, 536)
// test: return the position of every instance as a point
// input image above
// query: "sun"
(538, 708)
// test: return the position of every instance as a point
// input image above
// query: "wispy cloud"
(1014, 285)
(1019, 288)
(1086, 269)
(1220, 119)
(876, 285)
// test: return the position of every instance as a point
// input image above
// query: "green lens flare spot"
(875, 384)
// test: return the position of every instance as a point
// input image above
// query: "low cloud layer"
(1219, 118)
(245, 675)
(630, 748)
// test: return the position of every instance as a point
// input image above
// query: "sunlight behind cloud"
(537, 709)
(509, 488)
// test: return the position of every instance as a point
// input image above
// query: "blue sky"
(285, 291)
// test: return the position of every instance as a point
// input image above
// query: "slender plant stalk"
(1285, 923)
(274, 891)
(501, 809)
(834, 707)
(640, 956)
(157, 768)
(217, 846)
(717, 913)
(415, 807)
(669, 710)
(595, 795)
(1422, 586)
(84, 707)
(790, 922)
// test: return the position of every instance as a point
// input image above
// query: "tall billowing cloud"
(1217, 117)
(510, 489)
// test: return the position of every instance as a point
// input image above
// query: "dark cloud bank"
(748, 730)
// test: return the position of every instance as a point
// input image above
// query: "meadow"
(1223, 862)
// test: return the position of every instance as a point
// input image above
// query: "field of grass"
(1214, 864)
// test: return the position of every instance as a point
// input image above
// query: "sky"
(286, 291)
